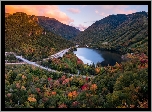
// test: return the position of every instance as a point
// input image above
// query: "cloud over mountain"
(51, 11)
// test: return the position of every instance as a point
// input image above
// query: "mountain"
(57, 27)
(124, 33)
(26, 37)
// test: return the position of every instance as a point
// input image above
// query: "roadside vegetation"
(123, 85)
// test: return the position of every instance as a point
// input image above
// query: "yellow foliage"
(70, 95)
(31, 99)
(23, 88)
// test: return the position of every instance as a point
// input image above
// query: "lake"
(90, 56)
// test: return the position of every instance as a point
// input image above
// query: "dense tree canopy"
(124, 85)
(57, 27)
(25, 36)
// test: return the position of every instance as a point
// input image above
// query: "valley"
(52, 65)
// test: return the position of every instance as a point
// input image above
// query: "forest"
(121, 33)
(124, 85)
(53, 25)
(24, 36)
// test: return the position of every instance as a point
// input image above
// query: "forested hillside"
(123, 85)
(24, 36)
(124, 33)
(57, 27)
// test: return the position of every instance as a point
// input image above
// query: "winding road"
(48, 69)
(59, 54)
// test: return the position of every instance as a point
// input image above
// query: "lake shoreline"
(98, 56)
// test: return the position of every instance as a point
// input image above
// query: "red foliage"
(78, 59)
(38, 89)
(49, 79)
(84, 87)
(63, 77)
(62, 105)
(143, 61)
(87, 78)
(74, 104)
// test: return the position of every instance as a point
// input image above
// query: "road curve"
(48, 69)
(59, 54)
(15, 63)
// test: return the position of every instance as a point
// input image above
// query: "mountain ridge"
(26, 37)
(117, 30)
(57, 27)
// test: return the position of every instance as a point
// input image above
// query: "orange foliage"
(53, 93)
(72, 95)
(143, 104)
(93, 87)
(97, 70)
(47, 93)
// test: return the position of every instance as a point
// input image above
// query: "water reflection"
(90, 56)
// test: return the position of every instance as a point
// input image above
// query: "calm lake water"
(88, 55)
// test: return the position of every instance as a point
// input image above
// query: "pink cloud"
(73, 10)
(96, 12)
(112, 7)
(80, 26)
(51, 11)
(106, 10)
(126, 12)
(103, 14)
(121, 9)
(83, 5)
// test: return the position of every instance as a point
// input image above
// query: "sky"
(79, 16)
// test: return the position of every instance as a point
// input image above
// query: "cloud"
(83, 5)
(126, 12)
(121, 9)
(96, 12)
(73, 10)
(80, 26)
(106, 10)
(103, 14)
(89, 21)
(51, 11)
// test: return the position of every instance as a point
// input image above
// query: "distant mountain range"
(35, 36)
(124, 33)
(57, 27)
